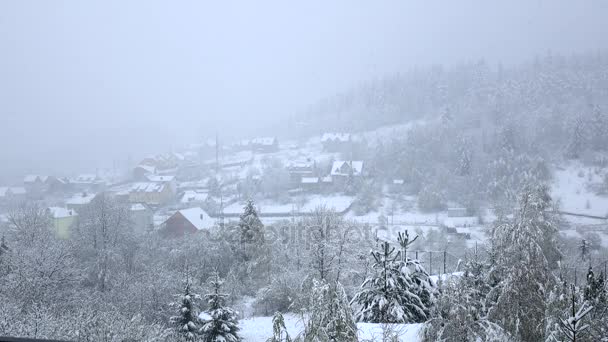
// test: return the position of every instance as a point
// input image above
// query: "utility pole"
(217, 154)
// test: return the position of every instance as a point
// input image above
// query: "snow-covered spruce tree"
(219, 323)
(185, 322)
(595, 289)
(459, 313)
(595, 293)
(599, 129)
(387, 297)
(578, 139)
(279, 331)
(422, 285)
(250, 226)
(574, 327)
(329, 314)
(523, 251)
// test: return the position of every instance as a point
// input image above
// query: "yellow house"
(151, 193)
(63, 220)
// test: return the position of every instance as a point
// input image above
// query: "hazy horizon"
(83, 84)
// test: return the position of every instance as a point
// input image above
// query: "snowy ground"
(308, 204)
(259, 329)
(571, 188)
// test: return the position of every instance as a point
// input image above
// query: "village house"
(299, 170)
(187, 221)
(150, 193)
(88, 182)
(142, 170)
(35, 185)
(78, 201)
(264, 145)
(336, 142)
(12, 194)
(194, 197)
(310, 184)
(166, 179)
(162, 164)
(342, 170)
(63, 220)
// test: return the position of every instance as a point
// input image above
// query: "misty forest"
(456, 198)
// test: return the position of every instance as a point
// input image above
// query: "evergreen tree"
(573, 328)
(423, 287)
(578, 139)
(387, 297)
(599, 129)
(459, 313)
(219, 323)
(595, 290)
(330, 314)
(524, 250)
(185, 320)
(250, 225)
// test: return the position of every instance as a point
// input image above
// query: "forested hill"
(547, 88)
(499, 129)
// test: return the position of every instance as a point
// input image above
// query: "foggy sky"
(86, 82)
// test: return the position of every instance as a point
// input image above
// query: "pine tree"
(599, 129)
(185, 320)
(330, 314)
(423, 287)
(573, 328)
(524, 250)
(219, 323)
(250, 225)
(459, 313)
(578, 140)
(387, 296)
(595, 290)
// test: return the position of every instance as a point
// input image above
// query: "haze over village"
(271, 171)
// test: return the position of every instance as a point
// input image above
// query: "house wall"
(177, 226)
(152, 198)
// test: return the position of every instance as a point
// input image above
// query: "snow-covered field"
(336, 202)
(571, 188)
(259, 329)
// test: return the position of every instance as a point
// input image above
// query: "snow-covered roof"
(86, 178)
(198, 217)
(59, 212)
(80, 199)
(35, 178)
(30, 178)
(340, 168)
(310, 180)
(138, 207)
(398, 181)
(193, 196)
(147, 187)
(146, 168)
(297, 165)
(265, 141)
(342, 137)
(160, 178)
(326, 179)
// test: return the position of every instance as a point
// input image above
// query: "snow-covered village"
(208, 172)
